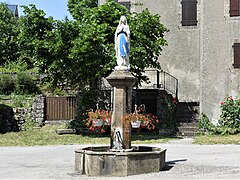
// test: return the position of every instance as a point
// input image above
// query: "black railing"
(156, 80)
(161, 80)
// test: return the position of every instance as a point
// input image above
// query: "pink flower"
(231, 98)
(221, 103)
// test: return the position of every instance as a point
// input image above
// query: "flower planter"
(136, 124)
(97, 122)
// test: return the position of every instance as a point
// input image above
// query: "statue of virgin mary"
(122, 44)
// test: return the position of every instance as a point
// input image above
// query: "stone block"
(100, 161)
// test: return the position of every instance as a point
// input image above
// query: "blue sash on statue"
(123, 45)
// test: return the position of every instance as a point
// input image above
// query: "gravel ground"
(184, 161)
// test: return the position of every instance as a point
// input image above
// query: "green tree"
(46, 43)
(78, 8)
(94, 48)
(35, 37)
(61, 68)
(8, 35)
(77, 52)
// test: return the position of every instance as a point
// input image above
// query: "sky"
(55, 8)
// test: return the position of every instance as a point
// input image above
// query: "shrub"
(229, 122)
(7, 84)
(168, 113)
(230, 113)
(7, 120)
(25, 84)
(204, 124)
(15, 66)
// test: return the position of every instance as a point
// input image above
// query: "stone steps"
(187, 129)
(185, 119)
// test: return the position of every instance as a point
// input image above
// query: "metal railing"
(156, 80)
(161, 80)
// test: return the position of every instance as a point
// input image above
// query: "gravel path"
(184, 161)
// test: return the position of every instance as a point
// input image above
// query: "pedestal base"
(99, 161)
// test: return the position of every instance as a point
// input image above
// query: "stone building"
(204, 48)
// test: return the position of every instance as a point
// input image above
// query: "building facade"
(203, 50)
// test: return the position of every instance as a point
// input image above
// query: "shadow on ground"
(140, 136)
(170, 164)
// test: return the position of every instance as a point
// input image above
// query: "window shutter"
(189, 12)
(236, 50)
(234, 8)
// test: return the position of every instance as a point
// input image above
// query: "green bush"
(230, 113)
(25, 84)
(14, 66)
(168, 113)
(7, 84)
(204, 123)
(229, 122)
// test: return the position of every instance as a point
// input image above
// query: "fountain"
(120, 158)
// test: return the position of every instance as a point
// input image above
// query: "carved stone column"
(121, 80)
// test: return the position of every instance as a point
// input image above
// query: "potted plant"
(142, 121)
(98, 121)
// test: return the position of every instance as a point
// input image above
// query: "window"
(189, 12)
(127, 4)
(234, 8)
(14, 9)
(236, 51)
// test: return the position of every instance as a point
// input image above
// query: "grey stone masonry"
(38, 109)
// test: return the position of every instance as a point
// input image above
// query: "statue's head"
(123, 20)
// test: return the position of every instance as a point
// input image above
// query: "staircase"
(186, 119)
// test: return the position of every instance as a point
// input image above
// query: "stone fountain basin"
(100, 161)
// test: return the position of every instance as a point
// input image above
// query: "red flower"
(174, 100)
(221, 103)
(231, 98)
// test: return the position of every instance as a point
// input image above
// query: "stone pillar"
(121, 80)
(38, 109)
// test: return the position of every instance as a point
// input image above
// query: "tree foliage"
(8, 35)
(147, 39)
(75, 52)
(94, 49)
(35, 37)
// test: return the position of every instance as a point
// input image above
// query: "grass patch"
(217, 139)
(47, 136)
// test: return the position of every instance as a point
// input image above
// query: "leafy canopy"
(94, 48)
(8, 35)
(75, 52)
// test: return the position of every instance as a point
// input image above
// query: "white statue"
(122, 44)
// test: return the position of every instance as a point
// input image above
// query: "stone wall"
(218, 76)
(38, 109)
(181, 57)
(20, 116)
(13, 119)
(201, 56)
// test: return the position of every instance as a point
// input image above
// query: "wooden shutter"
(189, 12)
(234, 8)
(236, 50)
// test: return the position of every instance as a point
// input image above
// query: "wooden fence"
(60, 108)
